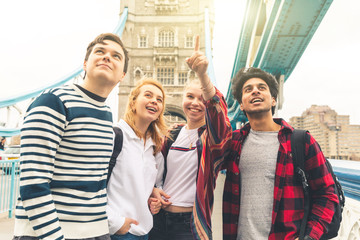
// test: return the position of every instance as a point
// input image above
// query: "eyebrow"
(152, 93)
(102, 48)
(259, 84)
(116, 52)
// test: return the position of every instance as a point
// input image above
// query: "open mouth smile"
(152, 109)
(256, 100)
(194, 110)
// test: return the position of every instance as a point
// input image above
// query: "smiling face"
(193, 105)
(256, 98)
(105, 64)
(148, 105)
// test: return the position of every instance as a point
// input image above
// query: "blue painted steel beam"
(350, 181)
(242, 52)
(289, 27)
(267, 32)
(15, 99)
(9, 132)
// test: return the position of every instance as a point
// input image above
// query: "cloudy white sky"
(44, 40)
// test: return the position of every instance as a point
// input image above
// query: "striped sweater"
(66, 143)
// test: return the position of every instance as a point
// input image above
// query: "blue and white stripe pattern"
(66, 143)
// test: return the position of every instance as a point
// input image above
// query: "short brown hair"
(111, 37)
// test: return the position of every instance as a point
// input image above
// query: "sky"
(42, 41)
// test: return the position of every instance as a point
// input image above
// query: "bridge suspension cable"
(15, 99)
(5, 102)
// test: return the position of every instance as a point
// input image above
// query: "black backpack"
(116, 151)
(298, 152)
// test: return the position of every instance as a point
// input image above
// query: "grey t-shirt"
(257, 167)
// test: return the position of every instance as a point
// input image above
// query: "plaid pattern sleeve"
(231, 195)
(322, 189)
(214, 142)
(288, 193)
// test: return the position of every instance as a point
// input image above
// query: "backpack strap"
(116, 150)
(174, 133)
(298, 155)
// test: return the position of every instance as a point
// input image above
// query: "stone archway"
(174, 114)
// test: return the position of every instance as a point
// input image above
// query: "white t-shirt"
(182, 166)
(132, 182)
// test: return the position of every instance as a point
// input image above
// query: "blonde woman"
(181, 151)
(187, 213)
(134, 174)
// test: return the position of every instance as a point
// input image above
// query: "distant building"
(337, 138)
(160, 35)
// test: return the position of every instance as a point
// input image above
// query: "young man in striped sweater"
(66, 144)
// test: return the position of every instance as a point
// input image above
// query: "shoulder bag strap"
(298, 155)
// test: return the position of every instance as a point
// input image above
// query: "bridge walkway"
(7, 224)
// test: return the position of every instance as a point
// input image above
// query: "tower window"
(189, 42)
(142, 41)
(165, 76)
(182, 78)
(166, 39)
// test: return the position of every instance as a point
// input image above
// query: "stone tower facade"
(160, 35)
(337, 137)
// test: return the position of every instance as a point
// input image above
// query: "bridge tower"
(159, 35)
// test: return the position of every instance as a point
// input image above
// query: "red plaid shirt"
(288, 193)
(209, 166)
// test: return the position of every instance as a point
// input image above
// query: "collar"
(130, 132)
(90, 94)
(178, 128)
(285, 127)
(201, 129)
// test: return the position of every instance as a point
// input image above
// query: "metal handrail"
(350, 181)
(9, 185)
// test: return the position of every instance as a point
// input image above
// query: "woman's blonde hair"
(195, 82)
(157, 129)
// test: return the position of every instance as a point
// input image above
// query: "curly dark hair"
(245, 74)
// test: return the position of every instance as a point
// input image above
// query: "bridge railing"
(348, 173)
(9, 185)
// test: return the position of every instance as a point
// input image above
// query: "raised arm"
(215, 141)
(218, 124)
(199, 64)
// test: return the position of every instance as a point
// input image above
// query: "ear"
(241, 107)
(84, 65)
(273, 103)
(122, 77)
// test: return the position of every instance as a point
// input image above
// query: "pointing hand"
(198, 61)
